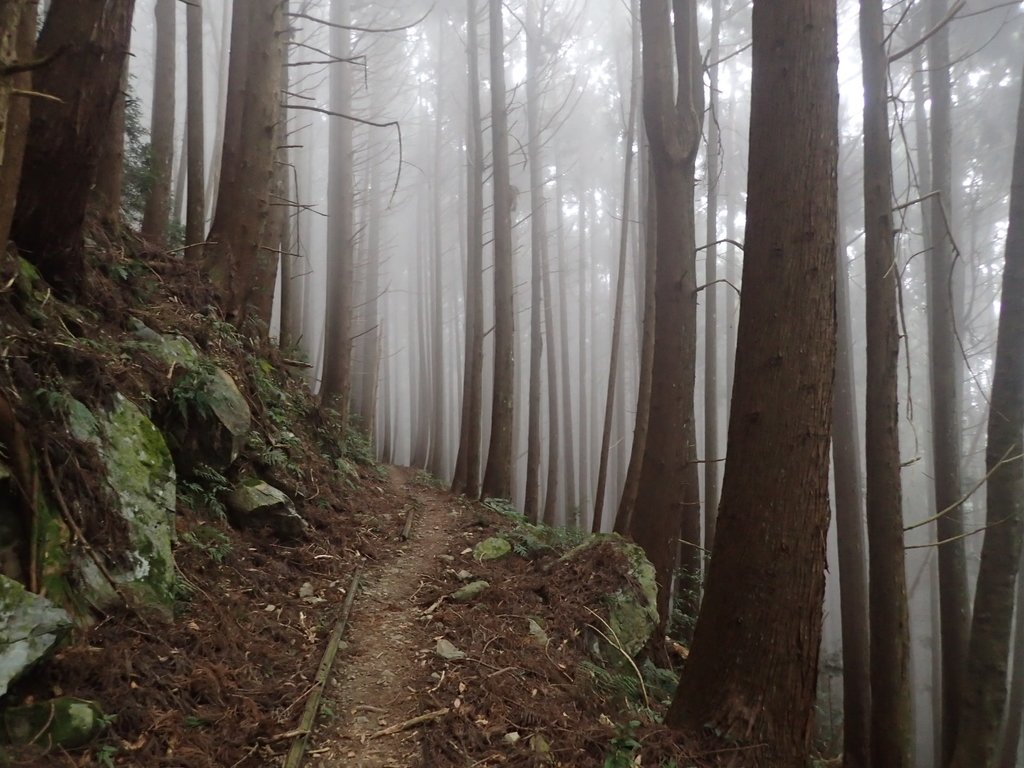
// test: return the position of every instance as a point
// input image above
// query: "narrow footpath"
(381, 668)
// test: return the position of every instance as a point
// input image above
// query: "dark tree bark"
(467, 465)
(66, 138)
(241, 267)
(945, 369)
(157, 213)
(195, 210)
(891, 723)
(17, 42)
(673, 109)
(981, 710)
(752, 669)
(107, 195)
(498, 473)
(337, 378)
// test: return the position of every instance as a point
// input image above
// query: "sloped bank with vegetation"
(180, 523)
(168, 487)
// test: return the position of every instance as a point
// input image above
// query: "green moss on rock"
(66, 723)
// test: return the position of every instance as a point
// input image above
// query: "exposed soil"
(381, 674)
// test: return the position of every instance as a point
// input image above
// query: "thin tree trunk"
(107, 193)
(891, 725)
(157, 213)
(945, 395)
(371, 373)
(981, 710)
(571, 505)
(467, 472)
(714, 147)
(631, 487)
(224, 61)
(337, 382)
(538, 244)
(582, 371)
(551, 491)
(849, 503)
(1015, 705)
(195, 215)
(437, 460)
(498, 473)
(620, 280)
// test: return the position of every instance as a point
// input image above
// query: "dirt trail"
(382, 669)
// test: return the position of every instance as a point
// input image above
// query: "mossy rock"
(469, 591)
(631, 611)
(493, 548)
(30, 627)
(140, 473)
(209, 421)
(65, 723)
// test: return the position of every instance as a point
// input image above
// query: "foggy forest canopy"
(743, 281)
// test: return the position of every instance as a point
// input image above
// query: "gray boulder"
(255, 504)
(30, 627)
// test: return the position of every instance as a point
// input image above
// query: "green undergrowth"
(533, 539)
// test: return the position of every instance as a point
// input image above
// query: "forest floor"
(419, 680)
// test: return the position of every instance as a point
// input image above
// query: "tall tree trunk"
(614, 363)
(437, 461)
(554, 462)
(66, 136)
(242, 269)
(571, 504)
(945, 391)
(752, 671)
(157, 213)
(498, 473)
(849, 502)
(981, 710)
(227, 17)
(583, 371)
(195, 212)
(337, 383)
(891, 725)
(17, 42)
(107, 193)
(538, 245)
(467, 466)
(711, 447)
(631, 487)
(672, 114)
(371, 373)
